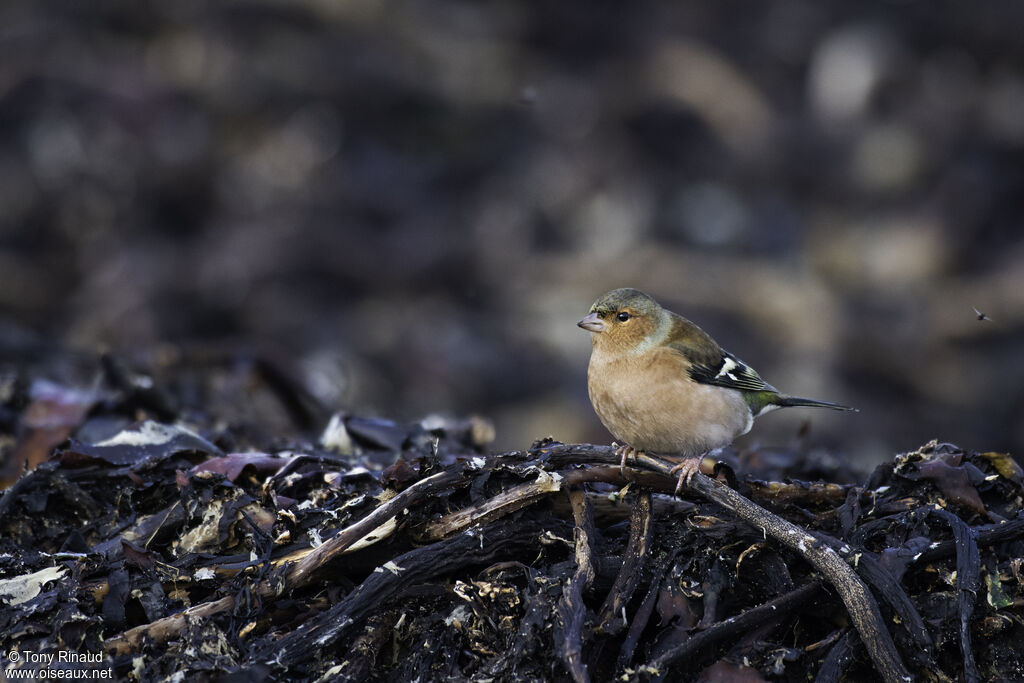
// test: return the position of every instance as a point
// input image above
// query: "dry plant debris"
(176, 547)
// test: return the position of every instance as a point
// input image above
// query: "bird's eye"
(622, 316)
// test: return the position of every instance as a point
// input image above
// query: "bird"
(981, 316)
(661, 384)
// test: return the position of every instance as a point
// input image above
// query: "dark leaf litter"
(125, 517)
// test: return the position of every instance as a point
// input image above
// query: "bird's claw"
(686, 468)
(624, 451)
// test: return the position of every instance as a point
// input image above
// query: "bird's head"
(623, 319)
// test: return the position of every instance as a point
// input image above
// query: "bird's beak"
(592, 323)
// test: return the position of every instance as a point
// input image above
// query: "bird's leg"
(624, 451)
(687, 467)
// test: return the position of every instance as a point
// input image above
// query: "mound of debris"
(151, 540)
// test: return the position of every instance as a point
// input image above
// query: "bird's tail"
(791, 401)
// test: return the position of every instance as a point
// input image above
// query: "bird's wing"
(726, 370)
(710, 363)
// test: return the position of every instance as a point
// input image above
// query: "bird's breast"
(651, 403)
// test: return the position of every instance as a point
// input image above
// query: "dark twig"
(571, 610)
(643, 614)
(299, 573)
(506, 502)
(968, 580)
(985, 535)
(632, 561)
(838, 658)
(733, 627)
(890, 590)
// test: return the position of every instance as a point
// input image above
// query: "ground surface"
(284, 545)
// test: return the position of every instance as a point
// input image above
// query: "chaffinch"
(661, 384)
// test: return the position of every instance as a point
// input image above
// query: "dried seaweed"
(417, 554)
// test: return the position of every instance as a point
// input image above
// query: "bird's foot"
(624, 451)
(687, 467)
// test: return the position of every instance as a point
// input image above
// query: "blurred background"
(414, 202)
